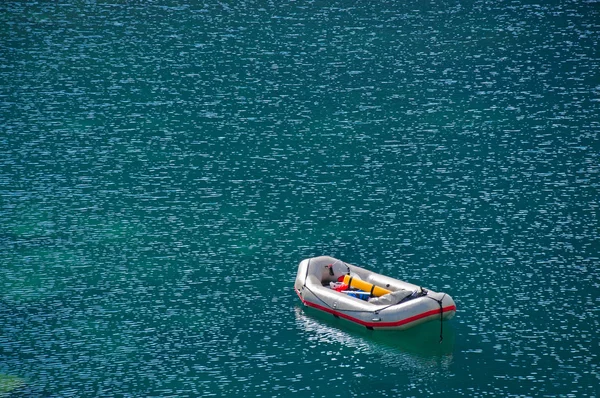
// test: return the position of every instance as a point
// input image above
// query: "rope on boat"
(441, 315)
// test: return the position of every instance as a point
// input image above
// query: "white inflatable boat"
(366, 298)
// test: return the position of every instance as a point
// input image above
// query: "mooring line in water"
(441, 315)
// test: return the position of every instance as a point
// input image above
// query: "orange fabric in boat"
(365, 286)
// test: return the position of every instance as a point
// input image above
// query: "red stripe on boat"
(376, 324)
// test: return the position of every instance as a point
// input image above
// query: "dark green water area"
(165, 166)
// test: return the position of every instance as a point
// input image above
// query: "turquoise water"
(165, 166)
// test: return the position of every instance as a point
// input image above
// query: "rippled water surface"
(164, 167)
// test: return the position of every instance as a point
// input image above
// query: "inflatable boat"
(367, 298)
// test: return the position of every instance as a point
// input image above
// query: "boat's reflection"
(418, 348)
